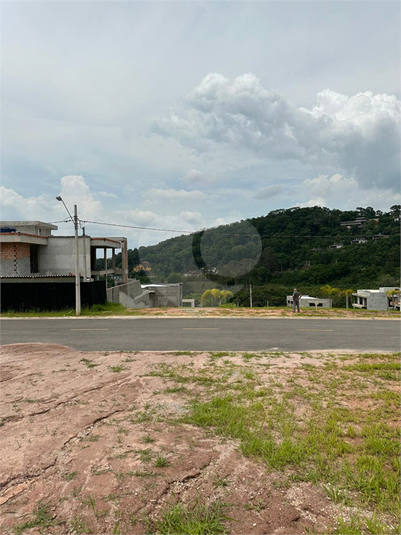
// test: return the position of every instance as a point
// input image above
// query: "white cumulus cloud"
(358, 135)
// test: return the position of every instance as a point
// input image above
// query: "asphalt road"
(205, 334)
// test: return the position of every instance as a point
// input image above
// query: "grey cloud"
(358, 135)
(268, 192)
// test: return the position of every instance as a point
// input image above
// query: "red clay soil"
(81, 435)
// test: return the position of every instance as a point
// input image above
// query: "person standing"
(296, 296)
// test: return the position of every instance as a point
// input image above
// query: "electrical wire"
(137, 227)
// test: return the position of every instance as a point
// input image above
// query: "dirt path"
(93, 439)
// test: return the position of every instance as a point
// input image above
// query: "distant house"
(380, 299)
(380, 236)
(356, 223)
(144, 266)
(307, 301)
(359, 240)
(336, 246)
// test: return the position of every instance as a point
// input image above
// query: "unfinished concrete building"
(29, 250)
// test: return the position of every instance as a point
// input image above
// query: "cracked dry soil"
(82, 432)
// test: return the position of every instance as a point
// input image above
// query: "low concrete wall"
(309, 302)
(125, 294)
(133, 295)
(165, 295)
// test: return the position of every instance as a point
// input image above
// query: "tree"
(328, 290)
(206, 299)
(394, 297)
(226, 295)
(174, 277)
(347, 293)
(214, 297)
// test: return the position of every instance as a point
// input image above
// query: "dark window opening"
(34, 257)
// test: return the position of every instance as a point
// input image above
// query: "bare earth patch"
(272, 312)
(99, 442)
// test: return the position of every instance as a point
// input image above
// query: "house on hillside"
(358, 240)
(144, 266)
(359, 221)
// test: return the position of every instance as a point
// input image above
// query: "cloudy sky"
(186, 115)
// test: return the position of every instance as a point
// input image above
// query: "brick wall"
(15, 258)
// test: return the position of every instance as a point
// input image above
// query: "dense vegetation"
(277, 251)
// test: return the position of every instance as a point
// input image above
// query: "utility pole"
(250, 295)
(84, 253)
(77, 275)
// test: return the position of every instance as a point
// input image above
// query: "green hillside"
(306, 247)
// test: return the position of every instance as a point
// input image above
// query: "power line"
(137, 227)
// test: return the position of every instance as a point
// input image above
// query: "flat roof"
(40, 224)
(22, 237)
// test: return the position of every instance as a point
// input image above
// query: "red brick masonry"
(14, 251)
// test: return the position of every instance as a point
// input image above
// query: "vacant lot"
(258, 443)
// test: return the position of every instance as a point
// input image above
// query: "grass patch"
(351, 450)
(196, 520)
(42, 519)
(161, 462)
(70, 476)
(117, 369)
(88, 363)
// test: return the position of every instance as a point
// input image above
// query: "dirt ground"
(94, 436)
(268, 312)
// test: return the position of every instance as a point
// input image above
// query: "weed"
(218, 354)
(147, 439)
(259, 505)
(249, 356)
(182, 519)
(175, 390)
(76, 491)
(161, 461)
(69, 476)
(113, 497)
(42, 519)
(90, 502)
(145, 455)
(80, 526)
(88, 363)
(117, 369)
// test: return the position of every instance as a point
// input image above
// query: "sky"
(187, 115)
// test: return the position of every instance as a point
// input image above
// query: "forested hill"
(289, 246)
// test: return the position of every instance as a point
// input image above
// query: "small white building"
(380, 299)
(307, 301)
